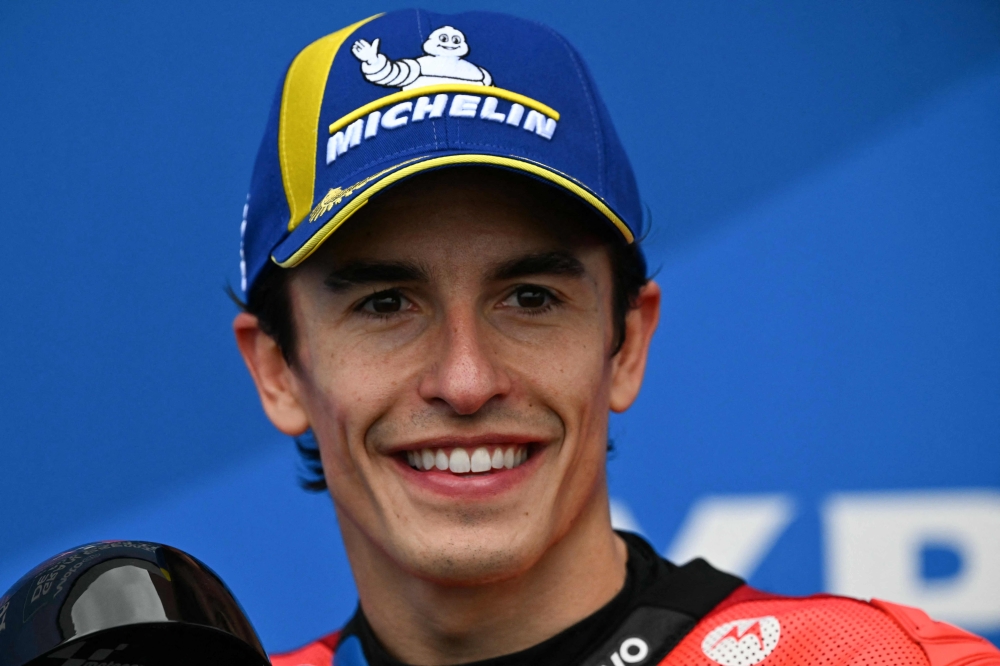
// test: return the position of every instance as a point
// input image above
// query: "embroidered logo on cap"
(444, 62)
(336, 195)
(742, 642)
(450, 85)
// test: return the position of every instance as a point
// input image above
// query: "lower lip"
(470, 487)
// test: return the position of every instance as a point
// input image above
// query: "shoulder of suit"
(750, 626)
(317, 653)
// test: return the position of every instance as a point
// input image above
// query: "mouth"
(468, 461)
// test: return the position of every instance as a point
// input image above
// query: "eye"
(384, 303)
(443, 39)
(456, 39)
(530, 297)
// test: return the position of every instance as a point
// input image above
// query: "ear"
(276, 383)
(630, 362)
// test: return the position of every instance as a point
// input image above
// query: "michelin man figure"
(443, 63)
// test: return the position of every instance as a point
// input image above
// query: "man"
(445, 290)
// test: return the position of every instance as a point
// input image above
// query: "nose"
(466, 374)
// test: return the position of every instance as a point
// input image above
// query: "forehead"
(464, 214)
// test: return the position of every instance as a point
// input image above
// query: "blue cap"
(402, 93)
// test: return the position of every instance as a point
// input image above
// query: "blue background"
(824, 180)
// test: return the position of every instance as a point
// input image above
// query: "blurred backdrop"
(822, 407)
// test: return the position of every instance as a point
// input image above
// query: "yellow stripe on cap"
(484, 91)
(342, 216)
(298, 123)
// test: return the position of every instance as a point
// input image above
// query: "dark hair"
(269, 302)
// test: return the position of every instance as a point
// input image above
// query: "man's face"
(460, 326)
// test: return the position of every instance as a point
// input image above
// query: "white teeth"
(441, 460)
(459, 462)
(481, 460)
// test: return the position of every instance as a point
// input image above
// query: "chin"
(468, 556)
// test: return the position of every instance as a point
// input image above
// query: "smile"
(464, 461)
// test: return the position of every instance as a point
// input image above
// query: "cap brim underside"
(409, 168)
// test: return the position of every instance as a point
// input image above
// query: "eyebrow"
(544, 263)
(373, 272)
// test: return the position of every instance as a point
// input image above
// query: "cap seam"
(502, 151)
(420, 32)
(505, 151)
(302, 92)
(385, 158)
(588, 93)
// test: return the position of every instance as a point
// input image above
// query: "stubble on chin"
(471, 560)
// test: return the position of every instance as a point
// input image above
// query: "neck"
(421, 622)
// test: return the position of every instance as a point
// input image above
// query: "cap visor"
(340, 203)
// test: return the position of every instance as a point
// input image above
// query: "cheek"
(353, 370)
(568, 370)
(575, 384)
(346, 393)
(357, 384)
(568, 363)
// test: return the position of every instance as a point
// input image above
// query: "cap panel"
(301, 100)
(266, 212)
(587, 84)
(620, 184)
(623, 191)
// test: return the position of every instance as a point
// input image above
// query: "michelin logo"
(443, 62)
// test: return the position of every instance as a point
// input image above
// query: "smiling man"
(445, 291)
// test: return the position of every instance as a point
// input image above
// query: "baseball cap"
(405, 92)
